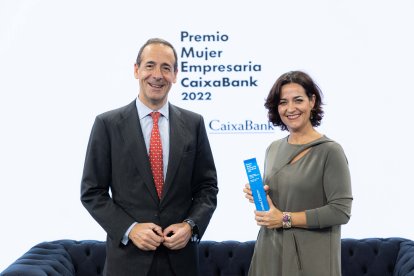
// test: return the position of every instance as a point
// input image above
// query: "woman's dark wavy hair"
(311, 88)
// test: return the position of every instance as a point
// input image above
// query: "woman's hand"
(248, 192)
(270, 219)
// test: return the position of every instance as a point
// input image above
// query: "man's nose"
(157, 73)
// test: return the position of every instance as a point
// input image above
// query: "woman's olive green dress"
(318, 183)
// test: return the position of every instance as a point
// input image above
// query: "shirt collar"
(144, 110)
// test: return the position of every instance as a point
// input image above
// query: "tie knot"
(155, 116)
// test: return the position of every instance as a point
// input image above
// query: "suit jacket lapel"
(130, 128)
(177, 142)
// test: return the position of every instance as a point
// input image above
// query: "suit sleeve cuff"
(125, 238)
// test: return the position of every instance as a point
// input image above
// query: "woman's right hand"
(248, 192)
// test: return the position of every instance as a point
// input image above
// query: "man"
(154, 208)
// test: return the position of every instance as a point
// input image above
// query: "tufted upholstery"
(225, 258)
(363, 257)
(374, 256)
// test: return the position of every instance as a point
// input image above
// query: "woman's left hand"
(270, 219)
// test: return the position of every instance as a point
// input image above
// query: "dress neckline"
(323, 137)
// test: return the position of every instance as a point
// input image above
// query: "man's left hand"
(176, 236)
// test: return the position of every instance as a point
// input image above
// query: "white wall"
(64, 62)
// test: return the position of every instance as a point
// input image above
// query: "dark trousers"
(161, 265)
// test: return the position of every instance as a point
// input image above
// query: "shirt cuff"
(125, 239)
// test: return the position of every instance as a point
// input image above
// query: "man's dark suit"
(117, 160)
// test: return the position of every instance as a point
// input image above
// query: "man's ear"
(136, 71)
(175, 75)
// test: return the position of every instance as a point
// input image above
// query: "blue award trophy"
(256, 184)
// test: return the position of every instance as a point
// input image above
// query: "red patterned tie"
(155, 154)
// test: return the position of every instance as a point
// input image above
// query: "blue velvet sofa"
(365, 257)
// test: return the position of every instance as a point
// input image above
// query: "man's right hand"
(146, 236)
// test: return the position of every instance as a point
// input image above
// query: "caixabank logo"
(210, 69)
(217, 126)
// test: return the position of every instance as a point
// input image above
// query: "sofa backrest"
(216, 258)
(88, 256)
(371, 256)
(225, 258)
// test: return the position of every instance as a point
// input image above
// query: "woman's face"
(295, 107)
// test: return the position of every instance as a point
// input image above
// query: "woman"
(308, 186)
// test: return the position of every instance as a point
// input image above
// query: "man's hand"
(176, 236)
(146, 236)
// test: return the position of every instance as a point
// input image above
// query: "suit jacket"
(118, 189)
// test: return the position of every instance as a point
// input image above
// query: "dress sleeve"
(338, 192)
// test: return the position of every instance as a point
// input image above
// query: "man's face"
(156, 74)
